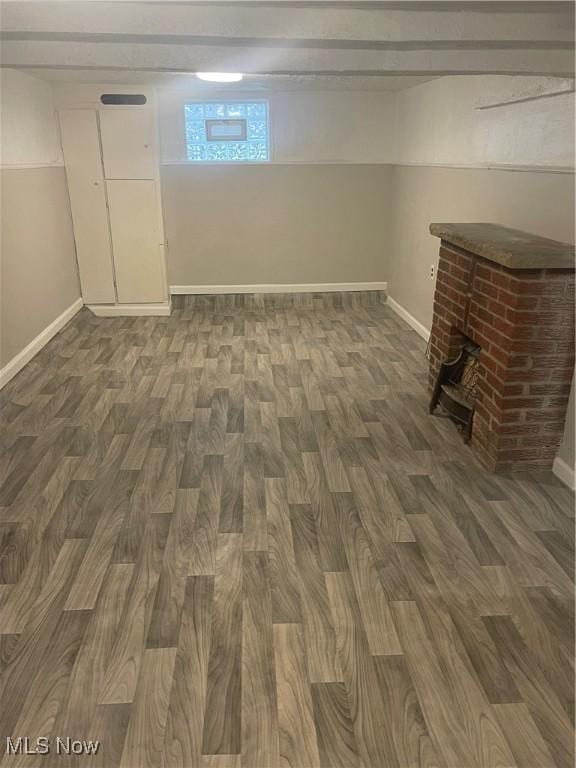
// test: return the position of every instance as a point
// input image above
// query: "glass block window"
(227, 131)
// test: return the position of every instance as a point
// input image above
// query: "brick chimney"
(511, 293)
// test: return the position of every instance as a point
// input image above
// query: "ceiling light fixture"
(220, 77)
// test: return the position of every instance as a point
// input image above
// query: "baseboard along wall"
(564, 472)
(130, 310)
(277, 288)
(30, 350)
(417, 326)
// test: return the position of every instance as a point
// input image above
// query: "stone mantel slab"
(511, 248)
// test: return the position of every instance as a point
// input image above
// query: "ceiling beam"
(260, 60)
(305, 38)
(153, 22)
(277, 42)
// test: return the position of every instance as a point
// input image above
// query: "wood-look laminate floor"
(235, 538)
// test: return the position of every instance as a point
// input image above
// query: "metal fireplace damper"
(456, 387)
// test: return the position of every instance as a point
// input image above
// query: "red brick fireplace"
(512, 294)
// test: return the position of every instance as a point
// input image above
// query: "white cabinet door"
(83, 160)
(128, 143)
(136, 241)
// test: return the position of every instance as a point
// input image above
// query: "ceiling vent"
(123, 99)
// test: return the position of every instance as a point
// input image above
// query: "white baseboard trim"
(564, 472)
(131, 310)
(277, 288)
(17, 363)
(420, 329)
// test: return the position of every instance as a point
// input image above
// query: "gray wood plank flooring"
(235, 537)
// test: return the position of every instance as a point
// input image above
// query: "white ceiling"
(283, 44)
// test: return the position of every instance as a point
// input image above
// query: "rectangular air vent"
(118, 99)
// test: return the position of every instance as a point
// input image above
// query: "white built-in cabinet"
(135, 230)
(111, 162)
(128, 143)
(81, 140)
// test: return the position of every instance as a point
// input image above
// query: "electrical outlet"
(432, 271)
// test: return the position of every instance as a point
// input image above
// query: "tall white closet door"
(128, 142)
(136, 241)
(83, 159)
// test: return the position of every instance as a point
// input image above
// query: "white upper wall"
(440, 123)
(305, 126)
(436, 123)
(452, 121)
(29, 129)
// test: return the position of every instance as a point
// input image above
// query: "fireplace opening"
(456, 386)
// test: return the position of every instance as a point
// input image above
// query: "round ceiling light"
(220, 77)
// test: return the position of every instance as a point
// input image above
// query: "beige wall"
(38, 271)
(39, 278)
(538, 202)
(277, 223)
